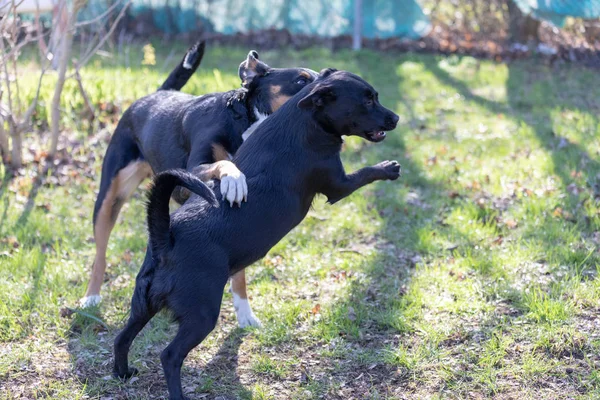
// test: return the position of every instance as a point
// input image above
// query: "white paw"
(90, 301)
(234, 188)
(244, 313)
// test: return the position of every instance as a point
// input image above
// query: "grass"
(473, 276)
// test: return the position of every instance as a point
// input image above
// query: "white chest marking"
(259, 120)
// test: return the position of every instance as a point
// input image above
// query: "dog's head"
(345, 104)
(270, 87)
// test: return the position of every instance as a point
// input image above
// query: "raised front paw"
(391, 170)
(234, 188)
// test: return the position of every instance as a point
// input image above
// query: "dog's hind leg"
(141, 312)
(243, 311)
(197, 309)
(123, 342)
(122, 172)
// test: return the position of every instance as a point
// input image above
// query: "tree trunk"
(16, 161)
(65, 54)
(4, 150)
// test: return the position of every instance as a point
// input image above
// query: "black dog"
(292, 157)
(169, 129)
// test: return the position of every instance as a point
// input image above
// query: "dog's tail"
(186, 68)
(159, 221)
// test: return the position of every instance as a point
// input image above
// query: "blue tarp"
(381, 18)
(556, 11)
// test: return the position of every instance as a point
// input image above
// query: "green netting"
(381, 18)
(556, 11)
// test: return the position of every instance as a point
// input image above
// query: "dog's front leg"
(233, 182)
(344, 185)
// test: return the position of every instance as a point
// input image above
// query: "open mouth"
(376, 136)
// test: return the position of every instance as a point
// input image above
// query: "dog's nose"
(391, 120)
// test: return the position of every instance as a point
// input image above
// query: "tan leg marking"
(219, 153)
(238, 284)
(121, 188)
(243, 311)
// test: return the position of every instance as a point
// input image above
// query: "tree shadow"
(375, 315)
(37, 183)
(534, 92)
(90, 346)
(522, 75)
(223, 367)
(371, 316)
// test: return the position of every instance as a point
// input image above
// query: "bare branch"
(6, 76)
(25, 121)
(89, 55)
(65, 51)
(86, 98)
(98, 18)
(4, 149)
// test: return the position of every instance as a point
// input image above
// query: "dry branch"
(65, 53)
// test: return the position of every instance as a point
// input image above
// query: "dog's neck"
(260, 118)
(256, 104)
(286, 131)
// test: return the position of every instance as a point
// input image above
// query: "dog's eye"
(301, 81)
(370, 99)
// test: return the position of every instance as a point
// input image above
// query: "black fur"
(169, 129)
(293, 156)
(186, 68)
(158, 207)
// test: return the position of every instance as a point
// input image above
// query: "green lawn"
(473, 276)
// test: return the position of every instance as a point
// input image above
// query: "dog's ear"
(325, 72)
(251, 68)
(317, 98)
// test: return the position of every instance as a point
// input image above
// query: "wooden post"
(357, 33)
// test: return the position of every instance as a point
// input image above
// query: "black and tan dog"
(293, 156)
(169, 129)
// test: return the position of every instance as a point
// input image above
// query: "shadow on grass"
(223, 367)
(378, 316)
(90, 346)
(30, 203)
(531, 101)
